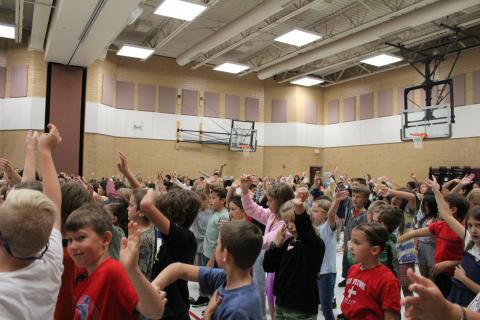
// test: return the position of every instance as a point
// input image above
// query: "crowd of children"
(126, 247)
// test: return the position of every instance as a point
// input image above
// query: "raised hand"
(383, 190)
(467, 179)
(122, 165)
(31, 139)
(341, 195)
(433, 184)
(49, 141)
(214, 302)
(280, 236)
(130, 247)
(246, 181)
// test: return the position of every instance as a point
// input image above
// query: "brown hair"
(362, 191)
(180, 206)
(138, 195)
(89, 216)
(243, 240)
(74, 195)
(280, 192)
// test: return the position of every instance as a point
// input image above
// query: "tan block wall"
(407, 76)
(398, 160)
(12, 145)
(37, 70)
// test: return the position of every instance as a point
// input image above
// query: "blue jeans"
(326, 288)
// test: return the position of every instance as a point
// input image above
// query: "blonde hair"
(323, 204)
(26, 221)
(286, 209)
(475, 193)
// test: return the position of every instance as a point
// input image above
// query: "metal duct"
(250, 18)
(412, 19)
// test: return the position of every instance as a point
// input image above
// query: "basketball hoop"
(418, 139)
(245, 150)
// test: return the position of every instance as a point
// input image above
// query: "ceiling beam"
(395, 22)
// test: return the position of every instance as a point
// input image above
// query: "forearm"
(29, 166)
(332, 214)
(447, 216)
(151, 303)
(157, 218)
(134, 183)
(176, 271)
(51, 185)
(470, 284)
(14, 176)
(423, 232)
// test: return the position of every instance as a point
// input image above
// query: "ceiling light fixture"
(298, 37)
(382, 60)
(231, 67)
(7, 31)
(307, 81)
(135, 52)
(180, 9)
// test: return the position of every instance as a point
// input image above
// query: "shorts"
(426, 254)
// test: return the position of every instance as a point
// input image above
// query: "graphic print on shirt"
(357, 288)
(85, 308)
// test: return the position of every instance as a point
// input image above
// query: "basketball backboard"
(434, 121)
(243, 134)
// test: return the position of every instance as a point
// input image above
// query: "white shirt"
(31, 292)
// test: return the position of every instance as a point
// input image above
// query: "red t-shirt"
(106, 294)
(64, 308)
(370, 292)
(448, 245)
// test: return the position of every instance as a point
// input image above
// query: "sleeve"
(124, 289)
(390, 296)
(111, 192)
(182, 244)
(54, 254)
(305, 228)
(432, 227)
(268, 237)
(210, 279)
(272, 258)
(254, 210)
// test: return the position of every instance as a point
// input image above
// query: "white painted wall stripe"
(28, 113)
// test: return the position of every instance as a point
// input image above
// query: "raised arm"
(220, 172)
(231, 191)
(51, 186)
(9, 171)
(465, 181)
(251, 208)
(29, 166)
(156, 216)
(423, 232)
(332, 212)
(409, 196)
(151, 302)
(444, 209)
(125, 170)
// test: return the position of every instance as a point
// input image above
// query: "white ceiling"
(350, 30)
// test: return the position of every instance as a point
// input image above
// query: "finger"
(418, 278)
(123, 243)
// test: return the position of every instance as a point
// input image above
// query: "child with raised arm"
(449, 246)
(107, 292)
(238, 246)
(323, 215)
(172, 214)
(466, 279)
(372, 290)
(31, 243)
(277, 195)
(296, 262)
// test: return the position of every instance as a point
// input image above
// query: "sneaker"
(191, 300)
(341, 317)
(342, 283)
(334, 303)
(200, 302)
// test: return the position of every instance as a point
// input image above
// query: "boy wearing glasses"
(31, 243)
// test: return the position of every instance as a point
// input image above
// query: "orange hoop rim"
(419, 135)
(244, 147)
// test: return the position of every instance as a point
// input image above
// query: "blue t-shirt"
(329, 238)
(240, 303)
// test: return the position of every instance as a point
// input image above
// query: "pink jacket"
(265, 216)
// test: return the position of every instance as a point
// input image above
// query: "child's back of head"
(243, 240)
(26, 222)
(180, 206)
(74, 195)
(390, 216)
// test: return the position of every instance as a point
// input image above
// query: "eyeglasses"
(9, 251)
